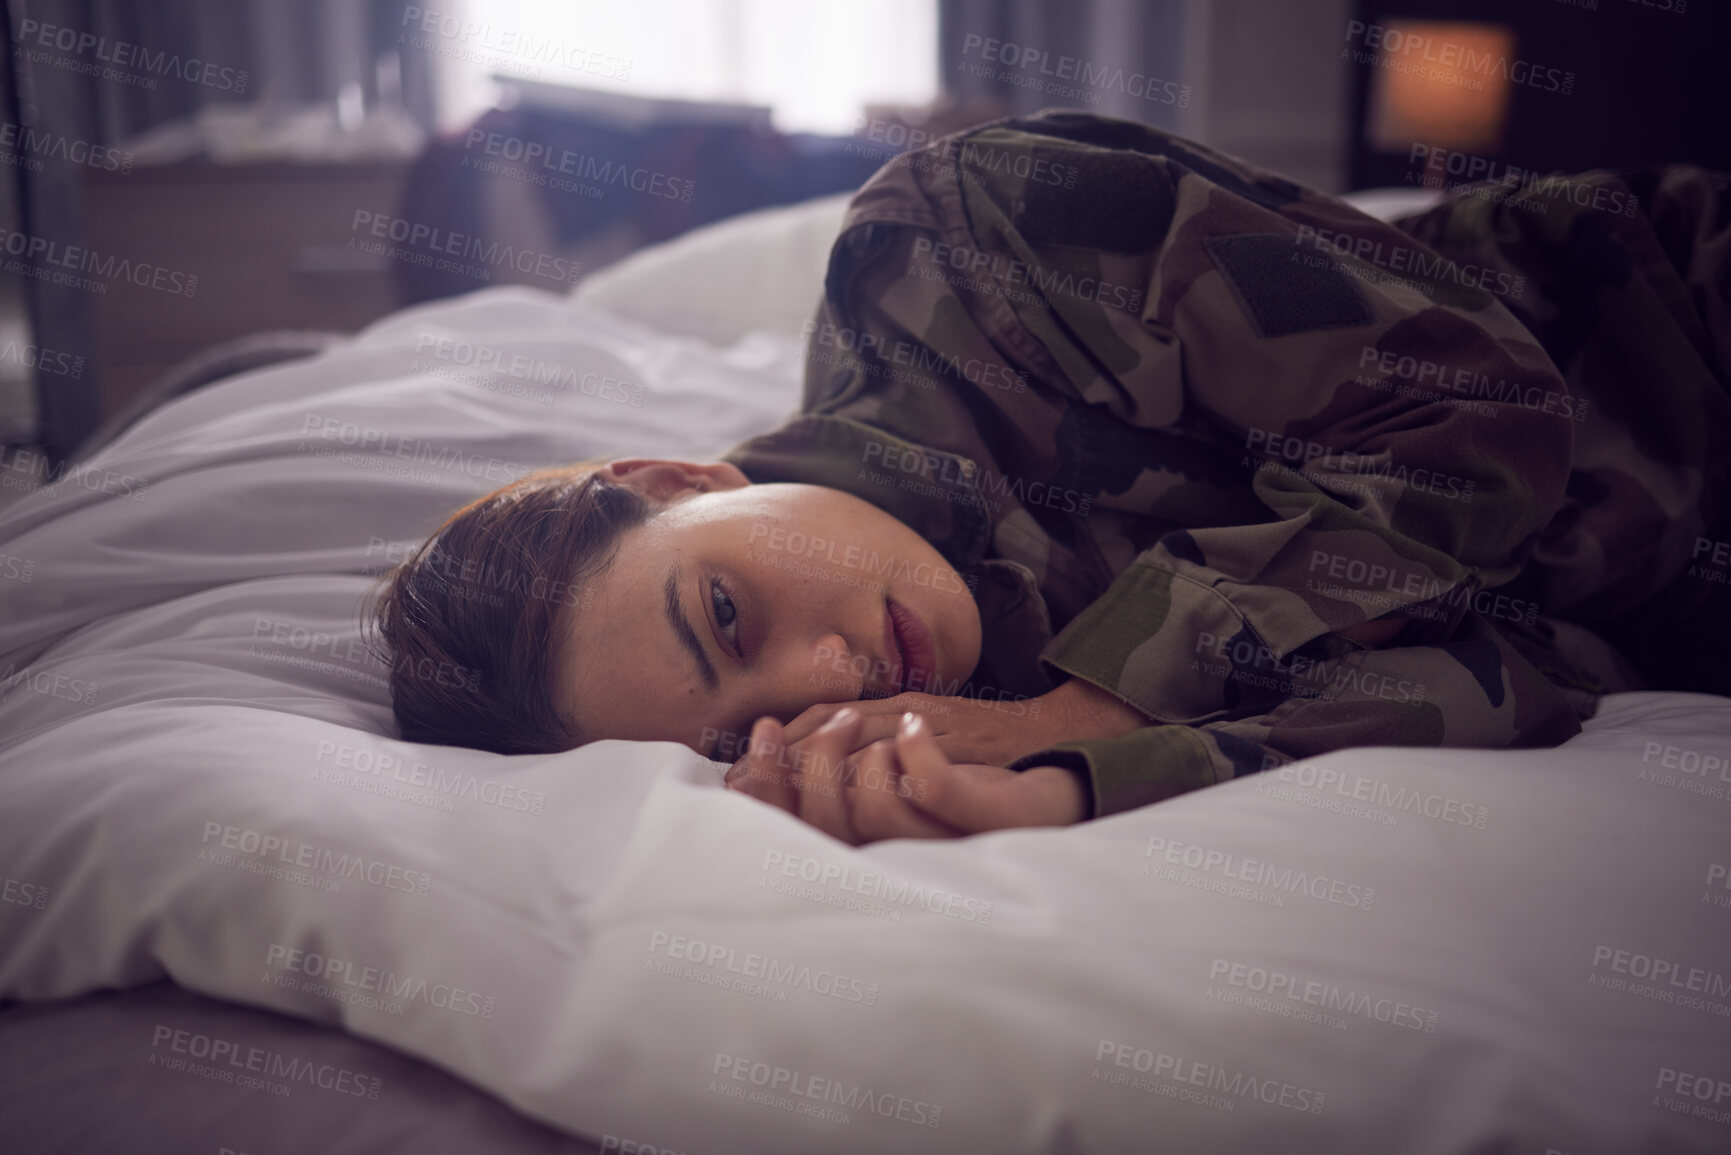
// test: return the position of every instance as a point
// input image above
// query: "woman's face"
(738, 600)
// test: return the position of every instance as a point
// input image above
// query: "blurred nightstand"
(268, 244)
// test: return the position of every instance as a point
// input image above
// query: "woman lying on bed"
(1125, 468)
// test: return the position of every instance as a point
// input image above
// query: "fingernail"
(912, 723)
(843, 717)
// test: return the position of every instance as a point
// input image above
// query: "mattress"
(156, 1069)
(202, 798)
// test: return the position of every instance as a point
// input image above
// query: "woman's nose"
(836, 668)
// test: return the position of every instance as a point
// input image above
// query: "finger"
(872, 727)
(924, 765)
(878, 798)
(820, 768)
(970, 798)
(968, 730)
(880, 715)
(966, 745)
(813, 719)
(757, 774)
(763, 772)
(762, 748)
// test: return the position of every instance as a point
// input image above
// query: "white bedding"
(1456, 935)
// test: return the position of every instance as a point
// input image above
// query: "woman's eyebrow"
(683, 631)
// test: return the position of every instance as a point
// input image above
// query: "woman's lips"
(919, 653)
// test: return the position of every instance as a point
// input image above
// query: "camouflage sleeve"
(1328, 694)
(1289, 332)
(1148, 765)
(1621, 278)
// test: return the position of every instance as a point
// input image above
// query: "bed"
(240, 915)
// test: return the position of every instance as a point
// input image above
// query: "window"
(815, 63)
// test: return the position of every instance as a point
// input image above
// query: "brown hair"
(470, 620)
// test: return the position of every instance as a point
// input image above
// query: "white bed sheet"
(1458, 937)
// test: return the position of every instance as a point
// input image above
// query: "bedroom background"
(250, 179)
(212, 832)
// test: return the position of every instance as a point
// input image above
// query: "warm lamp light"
(1444, 84)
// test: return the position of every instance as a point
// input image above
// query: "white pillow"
(759, 272)
(1385, 204)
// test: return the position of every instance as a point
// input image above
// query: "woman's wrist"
(1081, 710)
(1062, 796)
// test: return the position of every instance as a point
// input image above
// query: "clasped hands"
(925, 766)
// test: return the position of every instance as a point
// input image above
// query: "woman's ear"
(725, 475)
(662, 479)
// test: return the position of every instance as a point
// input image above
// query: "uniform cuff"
(1143, 640)
(1144, 766)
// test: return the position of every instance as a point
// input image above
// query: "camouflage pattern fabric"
(1184, 422)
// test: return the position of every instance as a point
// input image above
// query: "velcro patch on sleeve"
(1117, 202)
(1286, 287)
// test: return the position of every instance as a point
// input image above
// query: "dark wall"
(1652, 83)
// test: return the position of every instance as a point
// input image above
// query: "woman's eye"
(725, 614)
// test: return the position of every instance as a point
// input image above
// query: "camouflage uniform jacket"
(1184, 422)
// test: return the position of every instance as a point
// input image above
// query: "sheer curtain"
(815, 63)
